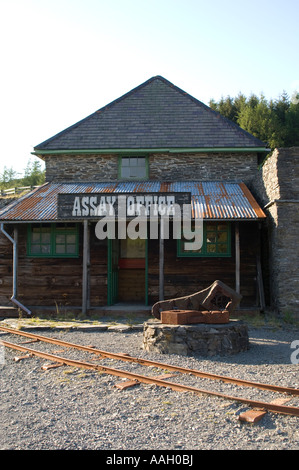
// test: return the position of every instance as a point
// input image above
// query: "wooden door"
(132, 271)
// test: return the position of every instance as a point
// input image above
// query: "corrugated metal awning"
(211, 200)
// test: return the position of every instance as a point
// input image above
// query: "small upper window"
(133, 168)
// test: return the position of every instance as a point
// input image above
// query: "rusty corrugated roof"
(211, 200)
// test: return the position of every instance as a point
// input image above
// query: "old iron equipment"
(211, 305)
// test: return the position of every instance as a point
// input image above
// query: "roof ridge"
(230, 124)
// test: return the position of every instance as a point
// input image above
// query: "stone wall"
(277, 190)
(210, 166)
(5, 200)
(80, 168)
(200, 339)
(162, 167)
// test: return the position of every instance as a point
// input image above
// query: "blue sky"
(63, 59)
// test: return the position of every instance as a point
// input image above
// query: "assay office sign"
(97, 205)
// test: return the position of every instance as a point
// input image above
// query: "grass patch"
(269, 319)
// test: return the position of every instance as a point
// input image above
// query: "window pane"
(125, 172)
(125, 162)
(35, 249)
(133, 161)
(46, 238)
(211, 248)
(60, 249)
(60, 238)
(211, 237)
(71, 238)
(133, 172)
(45, 249)
(141, 172)
(35, 238)
(141, 162)
(71, 249)
(222, 237)
(222, 248)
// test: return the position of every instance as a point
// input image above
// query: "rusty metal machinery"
(188, 317)
(211, 305)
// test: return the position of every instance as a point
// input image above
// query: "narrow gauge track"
(290, 410)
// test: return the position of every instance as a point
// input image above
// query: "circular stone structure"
(200, 339)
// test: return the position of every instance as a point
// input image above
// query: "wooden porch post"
(15, 262)
(161, 261)
(237, 253)
(85, 273)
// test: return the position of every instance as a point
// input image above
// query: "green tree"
(8, 177)
(275, 122)
(255, 117)
(33, 174)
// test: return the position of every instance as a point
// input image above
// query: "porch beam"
(161, 261)
(237, 255)
(85, 268)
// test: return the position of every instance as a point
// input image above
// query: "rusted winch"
(211, 305)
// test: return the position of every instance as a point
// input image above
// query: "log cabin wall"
(98, 270)
(183, 276)
(53, 282)
(57, 282)
(6, 270)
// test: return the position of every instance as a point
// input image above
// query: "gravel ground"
(74, 409)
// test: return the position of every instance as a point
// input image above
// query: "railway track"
(140, 378)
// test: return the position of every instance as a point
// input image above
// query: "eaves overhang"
(210, 200)
(41, 152)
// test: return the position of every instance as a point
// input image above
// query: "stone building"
(277, 190)
(156, 144)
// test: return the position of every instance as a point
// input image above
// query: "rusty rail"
(290, 410)
(147, 362)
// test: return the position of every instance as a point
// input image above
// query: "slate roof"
(155, 115)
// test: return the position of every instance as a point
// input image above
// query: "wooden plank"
(255, 415)
(237, 248)
(21, 358)
(131, 285)
(161, 261)
(51, 366)
(260, 283)
(85, 267)
(252, 416)
(126, 384)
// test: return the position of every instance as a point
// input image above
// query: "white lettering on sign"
(86, 206)
(93, 206)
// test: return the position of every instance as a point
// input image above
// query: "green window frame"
(53, 240)
(216, 241)
(133, 167)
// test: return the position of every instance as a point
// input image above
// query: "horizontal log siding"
(183, 276)
(51, 281)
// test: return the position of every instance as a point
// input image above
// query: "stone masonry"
(277, 190)
(162, 167)
(202, 339)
